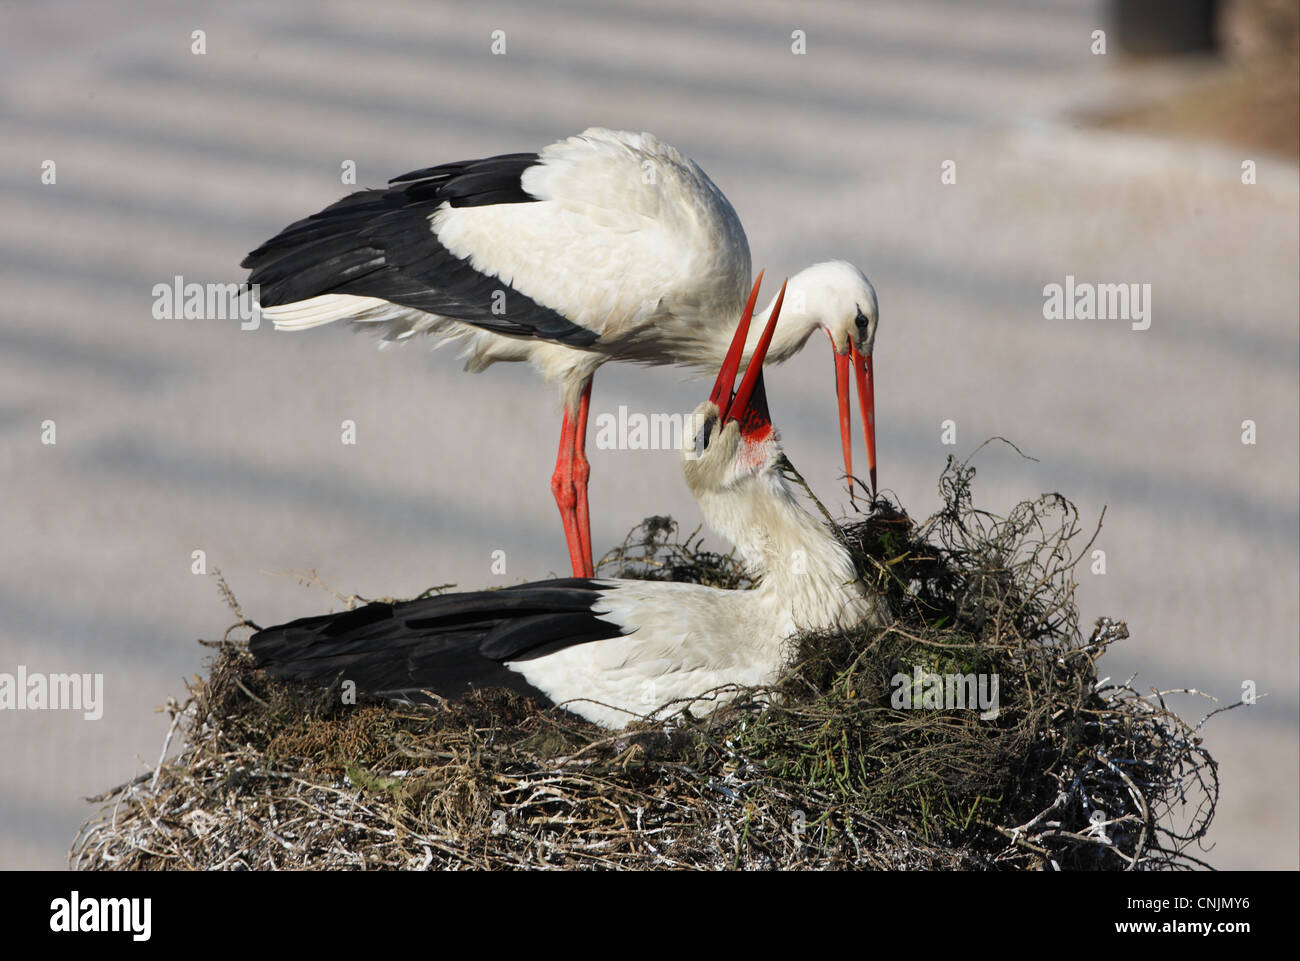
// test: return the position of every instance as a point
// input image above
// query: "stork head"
(838, 297)
(730, 437)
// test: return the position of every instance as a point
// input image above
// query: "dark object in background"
(1156, 28)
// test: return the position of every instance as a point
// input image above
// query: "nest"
(854, 759)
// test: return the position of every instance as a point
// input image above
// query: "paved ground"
(180, 435)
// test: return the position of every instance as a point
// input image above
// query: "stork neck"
(789, 336)
(803, 570)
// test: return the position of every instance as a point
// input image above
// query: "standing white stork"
(614, 650)
(607, 245)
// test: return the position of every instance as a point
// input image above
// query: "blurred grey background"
(180, 435)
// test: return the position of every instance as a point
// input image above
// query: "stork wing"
(382, 244)
(445, 644)
(598, 237)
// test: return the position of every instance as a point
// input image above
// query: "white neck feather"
(806, 576)
(791, 333)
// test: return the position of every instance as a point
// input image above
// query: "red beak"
(867, 404)
(749, 404)
(721, 394)
(862, 367)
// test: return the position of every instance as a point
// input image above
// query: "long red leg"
(581, 474)
(569, 485)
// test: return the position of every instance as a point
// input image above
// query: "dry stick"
(105, 795)
(176, 719)
(785, 466)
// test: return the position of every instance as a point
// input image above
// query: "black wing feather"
(378, 243)
(445, 644)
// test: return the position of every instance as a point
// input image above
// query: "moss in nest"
(827, 769)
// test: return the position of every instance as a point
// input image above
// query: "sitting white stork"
(607, 245)
(615, 650)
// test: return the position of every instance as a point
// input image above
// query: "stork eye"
(863, 323)
(702, 438)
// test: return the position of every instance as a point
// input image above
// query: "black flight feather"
(445, 644)
(379, 243)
